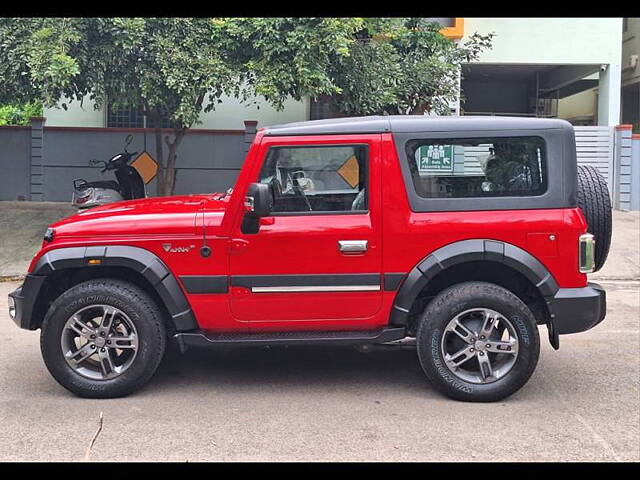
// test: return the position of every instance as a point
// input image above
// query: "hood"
(146, 216)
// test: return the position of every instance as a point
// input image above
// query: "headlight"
(587, 253)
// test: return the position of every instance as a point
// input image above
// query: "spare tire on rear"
(595, 203)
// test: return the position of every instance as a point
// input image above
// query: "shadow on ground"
(314, 367)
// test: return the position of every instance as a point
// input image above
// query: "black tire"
(142, 312)
(455, 300)
(595, 203)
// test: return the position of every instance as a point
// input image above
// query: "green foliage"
(366, 65)
(180, 66)
(17, 85)
(402, 66)
(19, 114)
(285, 57)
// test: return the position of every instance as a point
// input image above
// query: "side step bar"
(201, 338)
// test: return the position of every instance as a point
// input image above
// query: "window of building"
(478, 167)
(317, 178)
(133, 117)
(125, 117)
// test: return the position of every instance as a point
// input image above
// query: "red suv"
(463, 232)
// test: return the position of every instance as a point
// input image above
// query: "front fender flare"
(138, 259)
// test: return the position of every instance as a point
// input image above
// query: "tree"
(182, 66)
(179, 66)
(280, 58)
(19, 114)
(16, 84)
(369, 66)
(402, 66)
(165, 66)
(19, 94)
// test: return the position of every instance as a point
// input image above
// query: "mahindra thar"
(465, 233)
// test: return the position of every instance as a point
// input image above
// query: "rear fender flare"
(467, 251)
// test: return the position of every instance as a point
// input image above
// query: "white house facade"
(553, 67)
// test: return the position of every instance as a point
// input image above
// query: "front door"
(316, 261)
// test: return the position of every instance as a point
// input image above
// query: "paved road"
(306, 404)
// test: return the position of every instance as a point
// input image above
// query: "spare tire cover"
(595, 203)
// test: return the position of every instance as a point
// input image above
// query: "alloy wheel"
(480, 345)
(99, 342)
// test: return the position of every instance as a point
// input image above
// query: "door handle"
(353, 246)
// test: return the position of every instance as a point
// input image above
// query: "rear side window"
(478, 167)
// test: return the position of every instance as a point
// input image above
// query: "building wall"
(549, 40)
(631, 75)
(581, 104)
(563, 42)
(208, 161)
(14, 162)
(631, 46)
(76, 115)
(230, 114)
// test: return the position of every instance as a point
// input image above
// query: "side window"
(317, 178)
(478, 167)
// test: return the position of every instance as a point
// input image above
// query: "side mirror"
(128, 141)
(259, 201)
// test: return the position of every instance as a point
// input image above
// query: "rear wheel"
(103, 338)
(478, 342)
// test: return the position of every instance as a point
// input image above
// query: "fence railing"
(595, 147)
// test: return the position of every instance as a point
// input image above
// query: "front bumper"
(24, 299)
(575, 310)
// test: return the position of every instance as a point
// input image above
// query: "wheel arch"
(130, 263)
(473, 251)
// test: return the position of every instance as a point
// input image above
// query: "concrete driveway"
(309, 404)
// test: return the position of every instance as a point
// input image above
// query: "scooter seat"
(111, 184)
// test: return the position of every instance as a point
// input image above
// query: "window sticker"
(435, 159)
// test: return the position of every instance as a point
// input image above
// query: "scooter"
(129, 184)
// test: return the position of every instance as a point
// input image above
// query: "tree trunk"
(167, 168)
(154, 115)
(161, 182)
(169, 174)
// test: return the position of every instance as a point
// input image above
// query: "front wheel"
(478, 342)
(103, 338)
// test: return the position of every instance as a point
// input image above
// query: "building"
(631, 73)
(551, 67)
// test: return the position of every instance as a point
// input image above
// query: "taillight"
(12, 308)
(84, 196)
(587, 249)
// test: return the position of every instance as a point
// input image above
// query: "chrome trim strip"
(318, 288)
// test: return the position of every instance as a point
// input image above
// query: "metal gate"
(595, 147)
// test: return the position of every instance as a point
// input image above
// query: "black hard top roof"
(412, 123)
